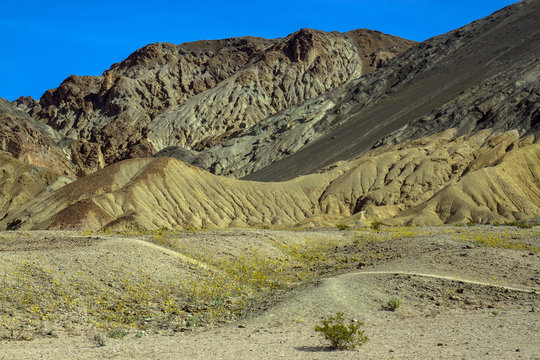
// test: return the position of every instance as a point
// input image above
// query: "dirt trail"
(451, 306)
(163, 249)
(444, 277)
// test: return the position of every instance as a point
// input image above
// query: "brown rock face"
(25, 103)
(196, 94)
(30, 142)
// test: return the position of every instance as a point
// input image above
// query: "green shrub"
(117, 333)
(393, 304)
(342, 227)
(191, 321)
(342, 336)
(520, 224)
(376, 225)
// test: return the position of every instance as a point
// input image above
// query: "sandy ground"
(458, 302)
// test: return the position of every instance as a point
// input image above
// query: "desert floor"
(460, 298)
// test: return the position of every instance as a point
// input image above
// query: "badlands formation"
(214, 199)
(385, 130)
(312, 129)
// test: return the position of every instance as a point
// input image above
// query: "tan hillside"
(21, 183)
(390, 183)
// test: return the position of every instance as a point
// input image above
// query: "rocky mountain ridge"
(461, 79)
(445, 132)
(196, 95)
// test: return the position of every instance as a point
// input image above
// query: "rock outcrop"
(31, 142)
(196, 95)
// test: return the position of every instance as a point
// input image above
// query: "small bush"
(393, 304)
(117, 333)
(376, 225)
(191, 321)
(341, 336)
(100, 339)
(520, 224)
(342, 227)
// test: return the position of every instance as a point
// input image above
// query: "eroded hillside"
(196, 95)
(479, 178)
(445, 132)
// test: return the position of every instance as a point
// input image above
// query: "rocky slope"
(431, 180)
(31, 142)
(483, 75)
(196, 95)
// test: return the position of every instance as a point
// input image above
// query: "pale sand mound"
(481, 178)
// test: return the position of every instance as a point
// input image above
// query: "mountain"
(480, 76)
(355, 129)
(483, 75)
(198, 94)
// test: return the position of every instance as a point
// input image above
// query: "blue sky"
(43, 42)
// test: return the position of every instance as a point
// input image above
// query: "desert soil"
(459, 301)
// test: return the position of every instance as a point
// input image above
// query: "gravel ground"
(459, 301)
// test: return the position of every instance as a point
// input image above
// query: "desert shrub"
(342, 227)
(117, 333)
(520, 224)
(342, 336)
(100, 339)
(191, 321)
(376, 225)
(393, 304)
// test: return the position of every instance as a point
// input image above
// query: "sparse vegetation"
(117, 333)
(393, 303)
(191, 321)
(38, 297)
(342, 227)
(376, 225)
(500, 239)
(342, 336)
(522, 224)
